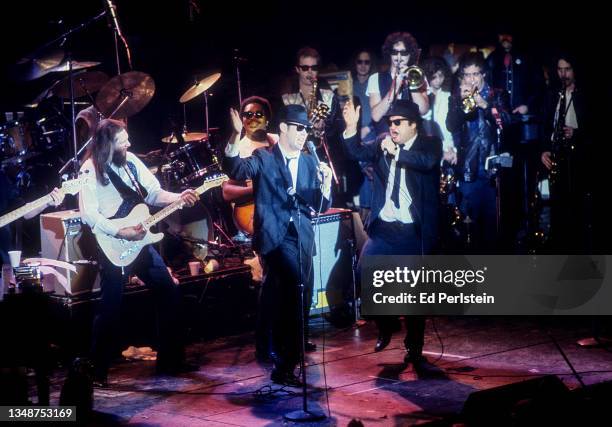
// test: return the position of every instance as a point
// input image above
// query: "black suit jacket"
(273, 206)
(422, 163)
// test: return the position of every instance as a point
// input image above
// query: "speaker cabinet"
(63, 237)
(332, 265)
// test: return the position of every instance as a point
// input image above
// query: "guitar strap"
(130, 196)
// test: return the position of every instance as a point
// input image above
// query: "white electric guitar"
(72, 186)
(123, 252)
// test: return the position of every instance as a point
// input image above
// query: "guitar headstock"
(211, 182)
(73, 186)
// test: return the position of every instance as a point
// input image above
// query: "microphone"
(312, 150)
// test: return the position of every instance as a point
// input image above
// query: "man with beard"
(121, 182)
(564, 154)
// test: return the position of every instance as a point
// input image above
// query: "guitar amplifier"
(332, 265)
(63, 237)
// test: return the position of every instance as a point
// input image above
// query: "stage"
(232, 388)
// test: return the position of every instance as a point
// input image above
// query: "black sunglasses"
(399, 52)
(299, 127)
(363, 61)
(395, 122)
(250, 114)
(309, 67)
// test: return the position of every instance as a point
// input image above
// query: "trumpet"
(468, 104)
(414, 77)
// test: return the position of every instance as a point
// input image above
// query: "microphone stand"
(305, 414)
(62, 39)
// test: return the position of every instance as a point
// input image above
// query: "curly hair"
(432, 65)
(409, 41)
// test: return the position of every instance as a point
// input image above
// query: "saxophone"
(558, 140)
(316, 112)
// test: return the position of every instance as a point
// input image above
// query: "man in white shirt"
(121, 182)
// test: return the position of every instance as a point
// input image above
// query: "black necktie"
(396, 186)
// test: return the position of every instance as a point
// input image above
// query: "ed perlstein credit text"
(405, 276)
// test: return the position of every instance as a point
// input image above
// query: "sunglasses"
(399, 52)
(251, 114)
(395, 122)
(299, 127)
(363, 61)
(309, 67)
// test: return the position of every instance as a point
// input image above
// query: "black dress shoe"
(417, 359)
(382, 342)
(310, 347)
(176, 369)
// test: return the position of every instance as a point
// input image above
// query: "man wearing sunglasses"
(400, 50)
(288, 186)
(307, 70)
(405, 200)
(475, 128)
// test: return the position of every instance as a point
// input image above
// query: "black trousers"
(395, 238)
(281, 299)
(150, 268)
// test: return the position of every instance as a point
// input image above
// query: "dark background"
(174, 47)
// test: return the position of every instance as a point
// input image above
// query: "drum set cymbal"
(84, 83)
(199, 87)
(76, 65)
(125, 95)
(34, 67)
(187, 137)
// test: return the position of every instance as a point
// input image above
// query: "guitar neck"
(154, 219)
(24, 210)
(171, 208)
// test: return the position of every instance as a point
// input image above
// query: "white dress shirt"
(99, 202)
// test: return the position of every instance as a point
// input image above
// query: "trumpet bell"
(415, 77)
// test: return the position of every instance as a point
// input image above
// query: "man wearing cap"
(405, 200)
(288, 186)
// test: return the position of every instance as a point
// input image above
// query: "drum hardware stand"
(75, 160)
(206, 113)
(238, 60)
(62, 39)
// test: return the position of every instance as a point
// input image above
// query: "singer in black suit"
(288, 186)
(405, 200)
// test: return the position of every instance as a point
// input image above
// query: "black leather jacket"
(475, 133)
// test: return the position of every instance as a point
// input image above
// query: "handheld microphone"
(312, 150)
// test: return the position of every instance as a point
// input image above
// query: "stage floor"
(233, 389)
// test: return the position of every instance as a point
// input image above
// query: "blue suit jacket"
(273, 206)
(422, 163)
